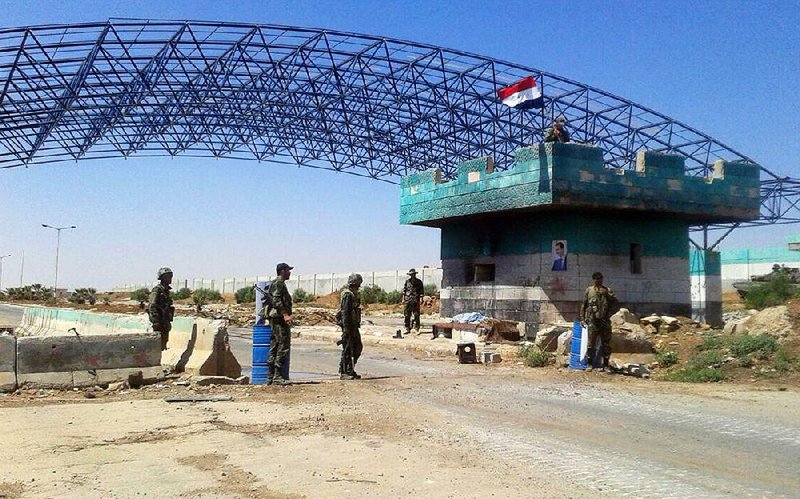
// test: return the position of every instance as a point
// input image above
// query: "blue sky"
(729, 69)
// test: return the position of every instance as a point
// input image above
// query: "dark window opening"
(484, 272)
(636, 258)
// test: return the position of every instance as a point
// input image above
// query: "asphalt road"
(10, 315)
(617, 436)
(636, 438)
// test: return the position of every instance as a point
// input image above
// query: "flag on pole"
(522, 95)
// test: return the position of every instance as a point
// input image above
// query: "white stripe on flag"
(518, 98)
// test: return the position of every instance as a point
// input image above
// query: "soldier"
(557, 132)
(350, 311)
(412, 297)
(599, 304)
(160, 307)
(280, 319)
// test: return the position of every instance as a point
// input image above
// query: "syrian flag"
(522, 95)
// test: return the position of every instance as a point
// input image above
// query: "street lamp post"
(58, 245)
(1, 270)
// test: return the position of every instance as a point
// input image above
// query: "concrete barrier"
(197, 346)
(74, 361)
(182, 340)
(44, 321)
(8, 363)
(200, 347)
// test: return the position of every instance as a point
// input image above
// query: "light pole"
(58, 245)
(1, 270)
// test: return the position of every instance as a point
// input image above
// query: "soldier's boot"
(606, 367)
(589, 360)
(345, 376)
(408, 330)
(270, 373)
(279, 380)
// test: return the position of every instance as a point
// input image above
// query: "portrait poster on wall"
(559, 255)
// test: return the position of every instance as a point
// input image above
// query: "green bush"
(534, 356)
(762, 345)
(667, 358)
(784, 360)
(691, 374)
(302, 296)
(83, 295)
(394, 297)
(33, 292)
(182, 294)
(711, 343)
(141, 295)
(770, 293)
(746, 361)
(203, 296)
(372, 294)
(246, 295)
(710, 359)
(431, 290)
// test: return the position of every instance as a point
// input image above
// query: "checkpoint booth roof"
(360, 104)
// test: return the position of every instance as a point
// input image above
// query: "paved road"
(632, 439)
(10, 315)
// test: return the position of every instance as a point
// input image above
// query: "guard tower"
(522, 244)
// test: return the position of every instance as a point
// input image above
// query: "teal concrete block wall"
(704, 262)
(556, 176)
(590, 232)
(760, 255)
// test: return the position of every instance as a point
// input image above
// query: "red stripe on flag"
(524, 84)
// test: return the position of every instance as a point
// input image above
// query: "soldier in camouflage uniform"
(280, 319)
(557, 132)
(160, 307)
(599, 304)
(350, 309)
(413, 290)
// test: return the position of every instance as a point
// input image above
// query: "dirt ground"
(332, 438)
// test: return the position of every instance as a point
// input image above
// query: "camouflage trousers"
(599, 328)
(409, 310)
(164, 330)
(351, 351)
(280, 344)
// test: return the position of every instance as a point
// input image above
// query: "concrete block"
(77, 361)
(8, 363)
(211, 355)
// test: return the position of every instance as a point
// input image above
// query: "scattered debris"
(199, 398)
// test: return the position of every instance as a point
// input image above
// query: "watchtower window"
(636, 258)
(484, 272)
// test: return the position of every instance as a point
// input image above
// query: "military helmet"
(354, 280)
(561, 119)
(163, 271)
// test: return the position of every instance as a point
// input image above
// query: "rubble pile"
(774, 321)
(314, 317)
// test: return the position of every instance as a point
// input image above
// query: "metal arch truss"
(360, 104)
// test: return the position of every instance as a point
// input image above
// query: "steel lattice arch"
(360, 104)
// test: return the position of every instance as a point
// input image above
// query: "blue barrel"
(262, 336)
(575, 361)
(575, 349)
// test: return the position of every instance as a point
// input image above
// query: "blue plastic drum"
(262, 336)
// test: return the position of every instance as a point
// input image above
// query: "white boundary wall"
(316, 284)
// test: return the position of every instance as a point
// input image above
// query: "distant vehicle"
(793, 273)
